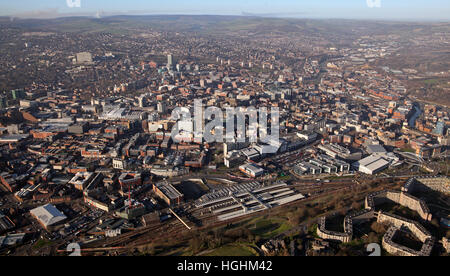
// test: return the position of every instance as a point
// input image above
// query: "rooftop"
(48, 215)
(168, 190)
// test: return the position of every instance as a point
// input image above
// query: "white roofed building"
(48, 215)
(252, 170)
(371, 164)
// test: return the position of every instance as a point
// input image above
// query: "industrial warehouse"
(244, 199)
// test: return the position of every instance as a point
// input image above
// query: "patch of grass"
(312, 230)
(284, 178)
(356, 243)
(268, 228)
(432, 81)
(232, 250)
(410, 150)
(42, 243)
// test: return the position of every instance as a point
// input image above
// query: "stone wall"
(331, 235)
(446, 244)
(398, 224)
(439, 184)
(401, 198)
(349, 221)
(399, 250)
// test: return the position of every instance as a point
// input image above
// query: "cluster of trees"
(216, 238)
(338, 202)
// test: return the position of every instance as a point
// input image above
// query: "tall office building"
(17, 94)
(161, 107)
(142, 101)
(440, 127)
(169, 61)
(2, 102)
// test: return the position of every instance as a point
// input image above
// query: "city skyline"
(353, 9)
(268, 130)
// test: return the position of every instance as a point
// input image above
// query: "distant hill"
(219, 24)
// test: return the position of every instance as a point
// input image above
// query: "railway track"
(175, 229)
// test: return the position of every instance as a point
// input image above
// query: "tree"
(356, 205)
(378, 227)
(305, 213)
(257, 239)
(293, 218)
(314, 212)
(219, 233)
(150, 250)
(435, 222)
(301, 213)
(342, 253)
(195, 244)
(373, 238)
(299, 244)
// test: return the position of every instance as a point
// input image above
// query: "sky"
(347, 9)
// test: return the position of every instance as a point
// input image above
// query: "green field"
(432, 81)
(231, 250)
(408, 150)
(268, 228)
(41, 244)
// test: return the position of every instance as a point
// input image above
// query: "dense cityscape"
(90, 158)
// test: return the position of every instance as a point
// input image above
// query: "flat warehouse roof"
(168, 190)
(48, 215)
(371, 159)
(377, 164)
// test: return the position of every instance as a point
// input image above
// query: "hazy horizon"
(397, 10)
